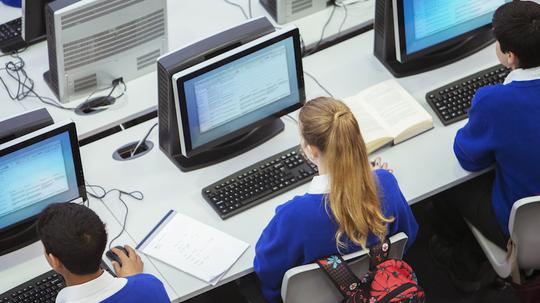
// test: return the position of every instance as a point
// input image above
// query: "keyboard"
(259, 182)
(41, 289)
(452, 101)
(10, 36)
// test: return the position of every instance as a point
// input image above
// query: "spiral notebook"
(193, 247)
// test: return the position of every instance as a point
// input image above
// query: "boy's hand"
(131, 264)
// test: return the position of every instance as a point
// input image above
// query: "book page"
(195, 248)
(397, 109)
(374, 134)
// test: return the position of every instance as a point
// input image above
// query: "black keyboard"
(10, 36)
(259, 182)
(452, 101)
(43, 288)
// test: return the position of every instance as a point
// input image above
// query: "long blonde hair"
(329, 125)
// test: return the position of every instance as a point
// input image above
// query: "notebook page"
(195, 248)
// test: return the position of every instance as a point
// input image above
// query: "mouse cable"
(242, 9)
(102, 193)
(319, 84)
(25, 85)
(143, 140)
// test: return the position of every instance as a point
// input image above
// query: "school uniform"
(140, 288)
(503, 131)
(303, 230)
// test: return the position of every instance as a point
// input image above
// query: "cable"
(134, 151)
(25, 85)
(137, 195)
(319, 84)
(241, 8)
(344, 17)
(116, 83)
(292, 118)
(316, 47)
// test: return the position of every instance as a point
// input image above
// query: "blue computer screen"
(35, 176)
(241, 92)
(430, 22)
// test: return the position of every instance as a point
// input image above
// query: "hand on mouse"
(131, 264)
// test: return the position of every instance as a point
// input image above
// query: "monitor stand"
(17, 237)
(231, 148)
(385, 46)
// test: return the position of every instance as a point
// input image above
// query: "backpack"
(388, 280)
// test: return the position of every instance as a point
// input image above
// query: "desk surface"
(188, 21)
(423, 165)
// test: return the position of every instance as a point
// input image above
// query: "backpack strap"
(341, 275)
(378, 253)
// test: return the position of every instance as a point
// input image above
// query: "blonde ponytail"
(353, 200)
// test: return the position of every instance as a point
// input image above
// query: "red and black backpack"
(388, 280)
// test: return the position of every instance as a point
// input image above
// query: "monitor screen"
(238, 89)
(36, 173)
(428, 23)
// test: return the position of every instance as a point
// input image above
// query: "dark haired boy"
(502, 131)
(74, 239)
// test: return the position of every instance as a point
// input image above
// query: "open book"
(387, 113)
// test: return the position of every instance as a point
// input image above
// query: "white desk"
(188, 21)
(29, 262)
(423, 165)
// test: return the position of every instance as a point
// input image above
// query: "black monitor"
(413, 36)
(33, 20)
(232, 102)
(36, 170)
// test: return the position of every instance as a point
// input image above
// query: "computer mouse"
(97, 104)
(114, 257)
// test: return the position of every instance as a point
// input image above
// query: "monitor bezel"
(38, 136)
(401, 43)
(179, 78)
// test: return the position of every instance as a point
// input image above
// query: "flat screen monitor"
(235, 92)
(33, 20)
(36, 170)
(426, 26)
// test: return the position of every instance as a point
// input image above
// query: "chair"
(308, 283)
(524, 227)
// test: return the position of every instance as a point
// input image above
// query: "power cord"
(134, 151)
(87, 107)
(137, 195)
(319, 84)
(316, 47)
(242, 9)
(25, 85)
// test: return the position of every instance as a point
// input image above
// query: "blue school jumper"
(140, 288)
(302, 231)
(504, 130)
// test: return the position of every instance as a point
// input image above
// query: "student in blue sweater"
(74, 239)
(348, 206)
(502, 132)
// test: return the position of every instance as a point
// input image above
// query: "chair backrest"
(308, 283)
(524, 227)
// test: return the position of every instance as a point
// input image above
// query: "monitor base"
(20, 236)
(230, 149)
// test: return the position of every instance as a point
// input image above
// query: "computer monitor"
(232, 102)
(413, 36)
(33, 20)
(36, 170)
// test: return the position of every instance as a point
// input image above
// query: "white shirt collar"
(521, 74)
(319, 185)
(96, 290)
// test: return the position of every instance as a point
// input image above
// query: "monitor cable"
(93, 105)
(143, 140)
(247, 16)
(15, 69)
(102, 193)
(319, 84)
